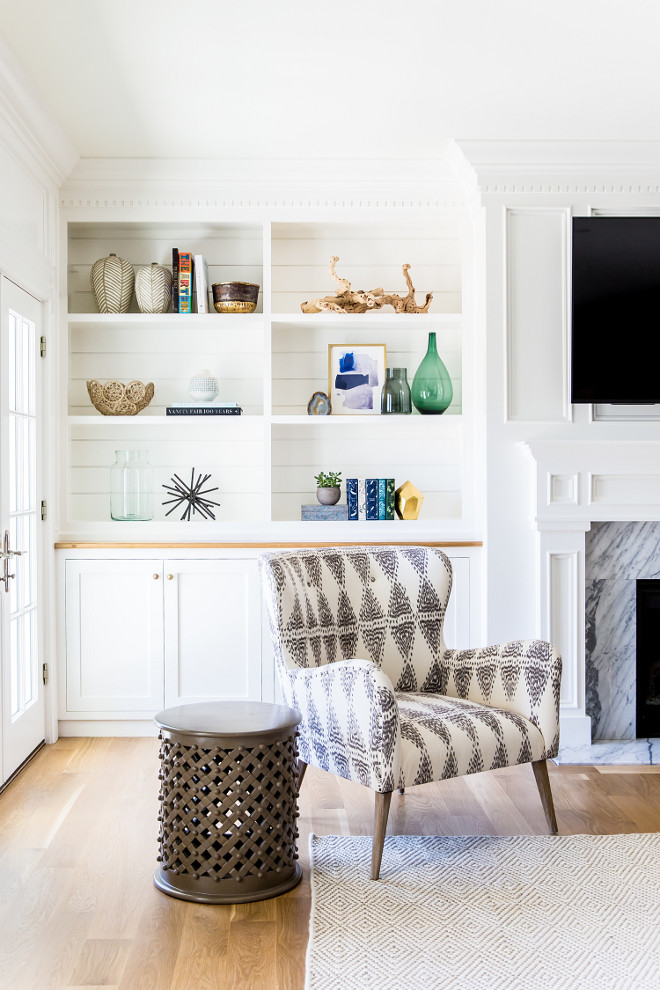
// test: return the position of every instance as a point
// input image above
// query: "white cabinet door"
(212, 630)
(114, 636)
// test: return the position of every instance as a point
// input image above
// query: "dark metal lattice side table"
(228, 801)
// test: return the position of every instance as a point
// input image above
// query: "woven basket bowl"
(114, 399)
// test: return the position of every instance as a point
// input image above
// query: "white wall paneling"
(368, 257)
(537, 322)
(562, 595)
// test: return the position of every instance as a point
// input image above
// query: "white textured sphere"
(203, 386)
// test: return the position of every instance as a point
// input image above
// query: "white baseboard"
(99, 727)
(574, 730)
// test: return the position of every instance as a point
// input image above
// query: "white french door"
(23, 714)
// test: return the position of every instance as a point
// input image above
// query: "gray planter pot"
(328, 496)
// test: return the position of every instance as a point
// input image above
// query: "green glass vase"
(431, 389)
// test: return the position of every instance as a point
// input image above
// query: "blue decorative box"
(324, 513)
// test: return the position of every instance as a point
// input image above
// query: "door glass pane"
(23, 632)
(12, 480)
(14, 655)
(13, 333)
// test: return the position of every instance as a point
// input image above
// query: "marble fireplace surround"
(597, 512)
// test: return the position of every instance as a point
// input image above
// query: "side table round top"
(229, 720)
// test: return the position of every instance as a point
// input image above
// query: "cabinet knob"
(156, 576)
(170, 577)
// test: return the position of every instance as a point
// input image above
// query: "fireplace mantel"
(578, 483)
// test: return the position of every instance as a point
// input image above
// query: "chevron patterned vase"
(112, 281)
(153, 288)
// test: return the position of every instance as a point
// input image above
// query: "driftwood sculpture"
(347, 301)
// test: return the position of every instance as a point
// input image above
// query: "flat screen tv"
(615, 326)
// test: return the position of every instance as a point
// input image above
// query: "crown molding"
(577, 167)
(262, 183)
(30, 131)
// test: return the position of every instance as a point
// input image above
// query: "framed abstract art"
(356, 373)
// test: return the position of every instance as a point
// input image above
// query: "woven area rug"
(483, 912)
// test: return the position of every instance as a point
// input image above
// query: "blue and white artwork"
(357, 373)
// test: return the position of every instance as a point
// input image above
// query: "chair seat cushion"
(447, 737)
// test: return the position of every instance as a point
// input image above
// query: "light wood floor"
(77, 852)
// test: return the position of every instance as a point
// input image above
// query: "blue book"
(371, 492)
(352, 498)
(389, 498)
(381, 498)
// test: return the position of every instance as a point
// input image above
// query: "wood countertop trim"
(85, 545)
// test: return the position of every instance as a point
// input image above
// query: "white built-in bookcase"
(270, 362)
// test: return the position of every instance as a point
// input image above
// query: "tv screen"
(616, 310)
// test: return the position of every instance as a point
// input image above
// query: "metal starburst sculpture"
(193, 495)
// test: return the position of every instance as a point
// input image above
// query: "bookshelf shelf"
(140, 421)
(160, 321)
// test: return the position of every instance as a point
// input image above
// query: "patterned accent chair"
(359, 648)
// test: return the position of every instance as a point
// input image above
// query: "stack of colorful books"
(190, 282)
(370, 498)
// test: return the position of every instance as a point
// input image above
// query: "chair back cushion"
(384, 604)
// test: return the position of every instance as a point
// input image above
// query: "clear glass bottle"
(432, 390)
(395, 397)
(131, 486)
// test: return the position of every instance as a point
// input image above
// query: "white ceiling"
(352, 80)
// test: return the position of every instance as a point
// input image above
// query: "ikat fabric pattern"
(358, 638)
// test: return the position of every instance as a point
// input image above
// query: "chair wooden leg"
(543, 783)
(382, 809)
(302, 767)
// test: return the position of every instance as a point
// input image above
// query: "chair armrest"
(523, 676)
(350, 720)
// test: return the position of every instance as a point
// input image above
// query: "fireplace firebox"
(648, 658)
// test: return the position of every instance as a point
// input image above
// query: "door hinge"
(44, 673)
(42, 347)
(44, 509)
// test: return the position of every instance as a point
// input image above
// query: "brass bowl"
(235, 297)
(114, 399)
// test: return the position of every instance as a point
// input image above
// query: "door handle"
(5, 554)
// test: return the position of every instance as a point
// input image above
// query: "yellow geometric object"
(408, 501)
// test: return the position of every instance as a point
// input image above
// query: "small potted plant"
(328, 487)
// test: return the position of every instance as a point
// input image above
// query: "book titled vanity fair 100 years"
(194, 409)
